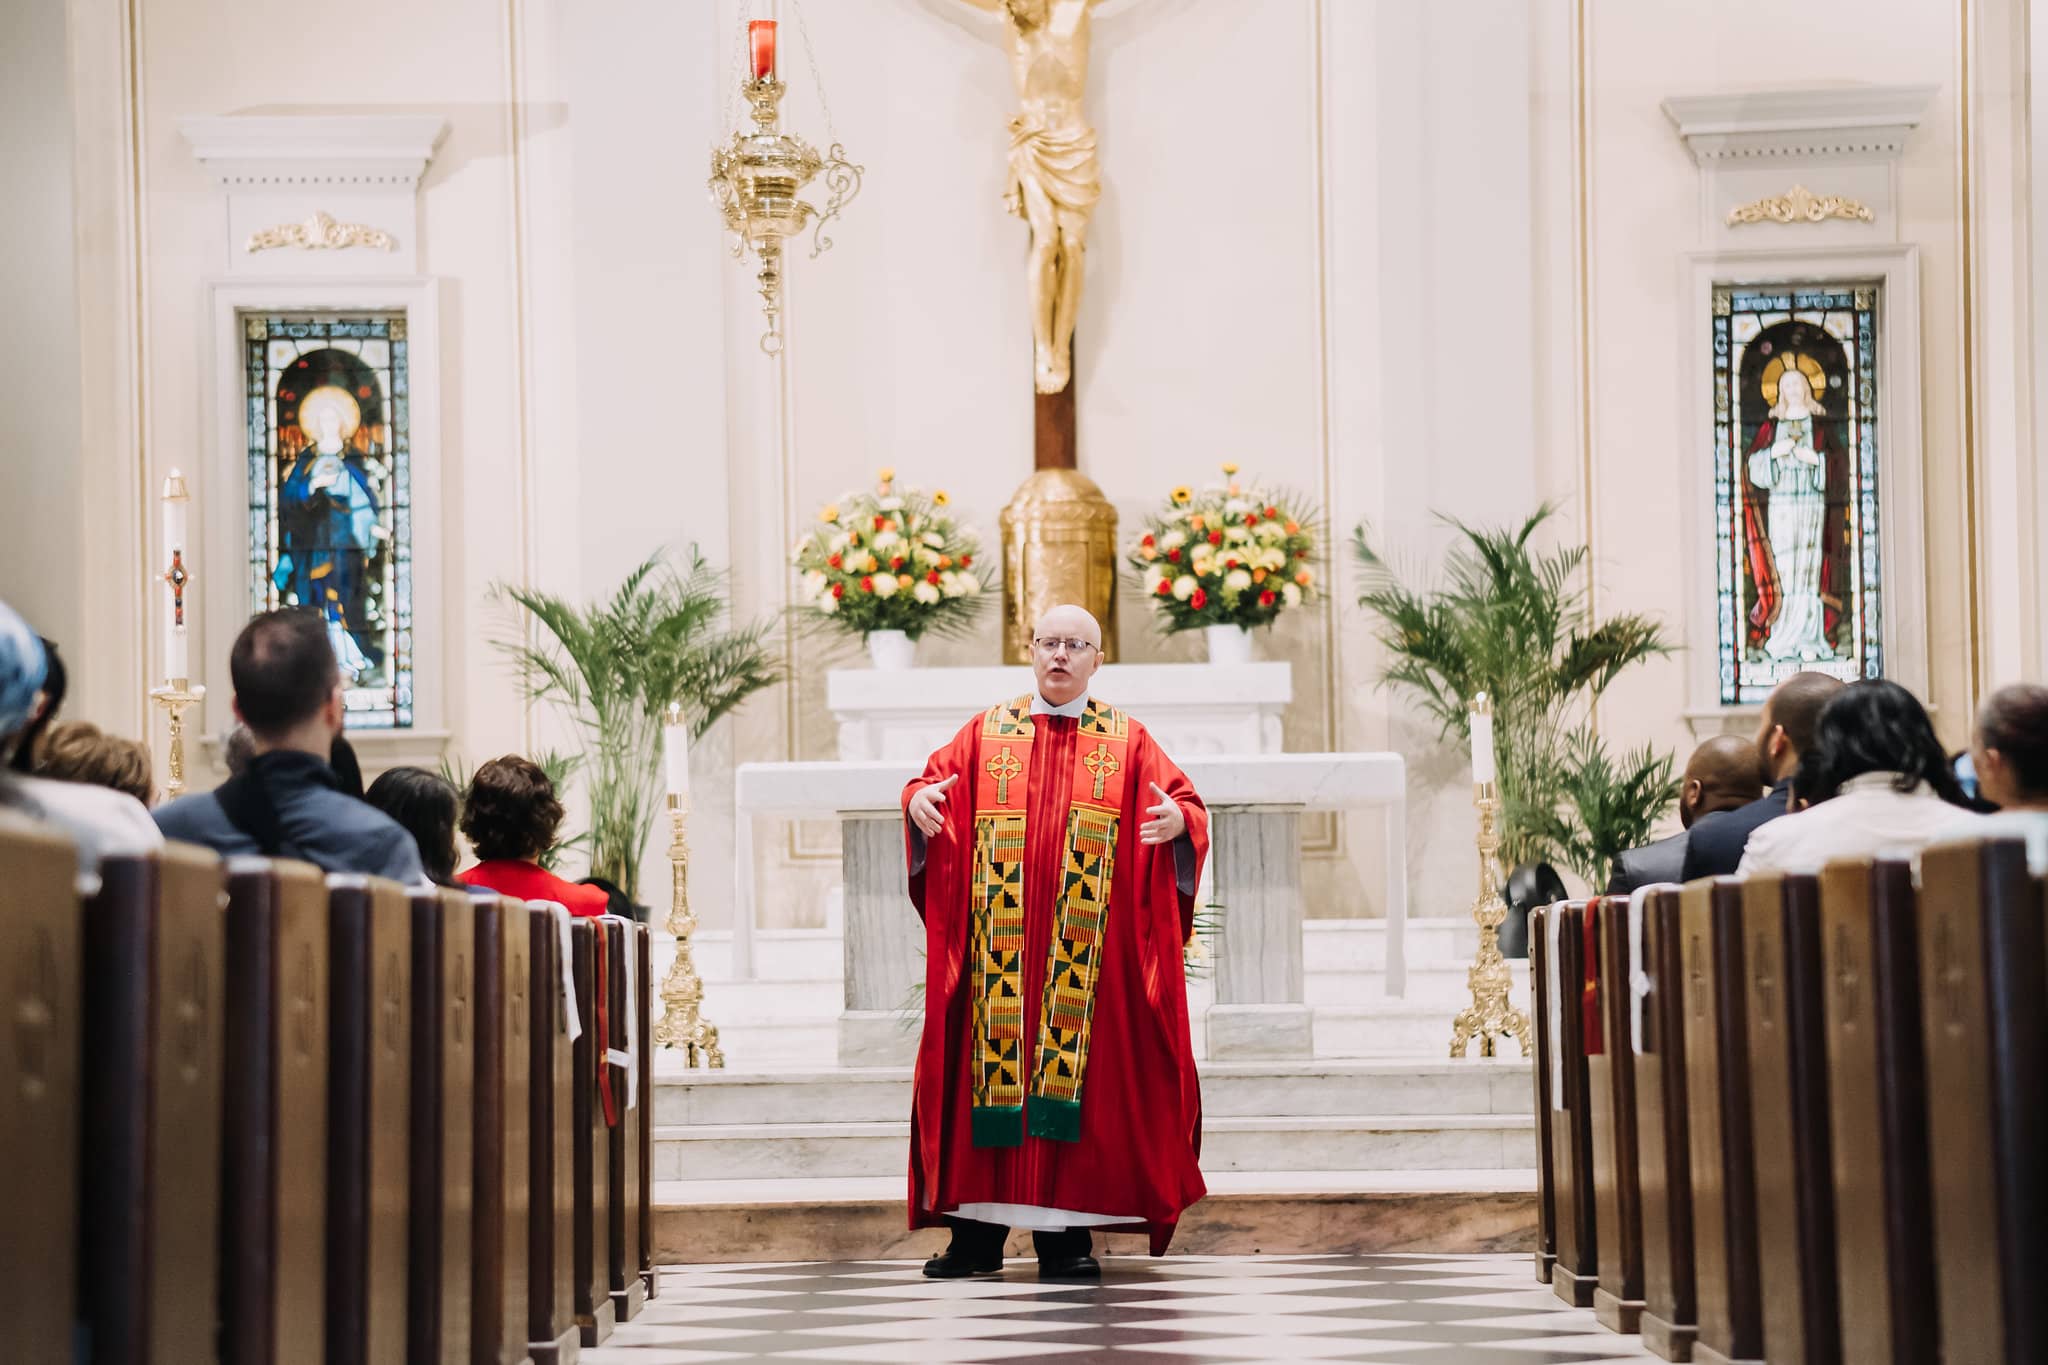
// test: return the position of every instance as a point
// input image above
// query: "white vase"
(891, 649)
(1229, 644)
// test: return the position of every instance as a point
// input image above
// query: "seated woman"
(79, 751)
(510, 816)
(2011, 756)
(1875, 782)
(427, 805)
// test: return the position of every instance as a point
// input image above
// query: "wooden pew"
(443, 1156)
(595, 1316)
(1984, 1018)
(1617, 1197)
(502, 1182)
(274, 1181)
(368, 1132)
(650, 1274)
(1877, 1110)
(40, 946)
(1549, 1092)
(1577, 1271)
(551, 1331)
(1727, 1285)
(628, 984)
(150, 1159)
(1663, 1132)
(1795, 1206)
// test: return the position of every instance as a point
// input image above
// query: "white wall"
(1339, 244)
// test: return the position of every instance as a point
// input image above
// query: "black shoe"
(958, 1265)
(1067, 1268)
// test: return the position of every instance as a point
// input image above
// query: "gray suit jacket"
(1658, 862)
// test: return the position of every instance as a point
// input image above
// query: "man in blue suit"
(1714, 846)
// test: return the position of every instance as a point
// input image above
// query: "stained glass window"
(330, 493)
(1797, 575)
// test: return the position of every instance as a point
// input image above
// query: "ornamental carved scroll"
(320, 233)
(1800, 205)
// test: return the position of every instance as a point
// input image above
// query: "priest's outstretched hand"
(1167, 822)
(927, 807)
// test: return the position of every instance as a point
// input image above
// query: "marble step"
(1243, 1089)
(1435, 1210)
(1315, 1142)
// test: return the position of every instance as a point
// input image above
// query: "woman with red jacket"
(510, 817)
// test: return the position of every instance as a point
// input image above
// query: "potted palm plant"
(1512, 621)
(613, 667)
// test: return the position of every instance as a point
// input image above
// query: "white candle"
(1482, 748)
(177, 659)
(676, 746)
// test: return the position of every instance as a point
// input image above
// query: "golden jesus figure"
(1054, 182)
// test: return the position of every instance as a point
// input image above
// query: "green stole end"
(1058, 1120)
(997, 1125)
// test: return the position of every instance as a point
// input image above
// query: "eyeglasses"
(1070, 646)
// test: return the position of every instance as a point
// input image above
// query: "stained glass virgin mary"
(330, 494)
(1795, 485)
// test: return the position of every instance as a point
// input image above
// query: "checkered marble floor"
(1414, 1309)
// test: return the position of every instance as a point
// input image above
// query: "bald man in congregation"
(1725, 773)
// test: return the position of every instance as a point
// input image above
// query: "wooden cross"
(1847, 977)
(1002, 767)
(1102, 763)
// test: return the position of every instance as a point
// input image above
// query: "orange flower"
(903, 579)
(1304, 578)
(1195, 522)
(1258, 575)
(1293, 527)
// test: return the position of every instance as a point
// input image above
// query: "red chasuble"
(1056, 1069)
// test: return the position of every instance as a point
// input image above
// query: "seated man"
(101, 823)
(1722, 774)
(2011, 758)
(287, 802)
(1713, 847)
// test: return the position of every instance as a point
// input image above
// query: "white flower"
(828, 604)
(885, 539)
(1290, 594)
(1174, 539)
(885, 584)
(815, 584)
(1184, 587)
(969, 584)
(1270, 529)
(1154, 576)
(841, 541)
(890, 504)
(925, 593)
(1236, 507)
(1237, 580)
(935, 539)
(926, 556)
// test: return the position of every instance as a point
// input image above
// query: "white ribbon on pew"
(561, 916)
(1638, 979)
(630, 1057)
(1553, 924)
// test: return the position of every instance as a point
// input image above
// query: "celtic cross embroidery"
(1102, 764)
(1002, 767)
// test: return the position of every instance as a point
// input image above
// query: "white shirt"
(102, 822)
(1868, 818)
(1074, 709)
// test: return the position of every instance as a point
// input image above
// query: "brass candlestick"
(1490, 1013)
(683, 1023)
(174, 696)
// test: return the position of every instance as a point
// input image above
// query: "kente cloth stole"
(996, 924)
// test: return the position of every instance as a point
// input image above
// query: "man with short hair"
(287, 802)
(1056, 1085)
(1723, 774)
(1785, 732)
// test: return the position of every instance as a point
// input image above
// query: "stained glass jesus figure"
(329, 531)
(1793, 470)
(1053, 850)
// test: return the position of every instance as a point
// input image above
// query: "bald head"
(1722, 774)
(1066, 649)
(1791, 718)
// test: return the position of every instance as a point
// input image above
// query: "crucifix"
(1059, 532)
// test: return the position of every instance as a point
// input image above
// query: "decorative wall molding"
(1847, 123)
(1800, 205)
(320, 233)
(377, 151)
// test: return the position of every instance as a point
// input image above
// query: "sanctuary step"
(1358, 1117)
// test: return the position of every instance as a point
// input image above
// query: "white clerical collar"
(1073, 709)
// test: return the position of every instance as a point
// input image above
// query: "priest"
(1053, 852)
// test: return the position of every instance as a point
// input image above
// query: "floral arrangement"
(893, 559)
(1229, 555)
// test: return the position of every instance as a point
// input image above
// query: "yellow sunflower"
(1182, 494)
(939, 499)
(888, 474)
(829, 512)
(1229, 471)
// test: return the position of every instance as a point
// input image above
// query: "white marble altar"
(1189, 708)
(1255, 801)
